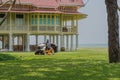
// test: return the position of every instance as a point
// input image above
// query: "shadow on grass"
(59, 69)
(4, 57)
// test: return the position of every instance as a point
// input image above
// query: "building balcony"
(36, 29)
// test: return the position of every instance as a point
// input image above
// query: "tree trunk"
(113, 31)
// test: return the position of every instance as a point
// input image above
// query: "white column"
(67, 42)
(77, 43)
(53, 38)
(3, 41)
(45, 39)
(57, 42)
(63, 43)
(50, 38)
(27, 43)
(36, 39)
(10, 42)
(61, 40)
(23, 42)
(71, 48)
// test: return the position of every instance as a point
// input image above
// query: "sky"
(94, 29)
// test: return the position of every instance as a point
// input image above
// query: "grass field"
(84, 64)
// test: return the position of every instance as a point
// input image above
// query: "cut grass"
(84, 64)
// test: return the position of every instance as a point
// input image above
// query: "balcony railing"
(20, 28)
(44, 28)
(25, 28)
(4, 28)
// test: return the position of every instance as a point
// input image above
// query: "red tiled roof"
(43, 3)
(71, 2)
(50, 3)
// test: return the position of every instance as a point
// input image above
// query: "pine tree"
(113, 31)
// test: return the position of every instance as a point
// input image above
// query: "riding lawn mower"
(43, 49)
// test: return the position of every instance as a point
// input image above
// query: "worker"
(48, 45)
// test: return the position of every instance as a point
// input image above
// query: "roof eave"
(46, 6)
(72, 5)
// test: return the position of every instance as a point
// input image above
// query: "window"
(44, 19)
(58, 20)
(34, 19)
(19, 19)
(52, 20)
(49, 21)
(40, 22)
(2, 15)
(19, 15)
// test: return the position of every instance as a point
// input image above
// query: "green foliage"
(84, 64)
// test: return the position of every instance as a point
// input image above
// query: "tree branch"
(4, 3)
(6, 14)
(0, 1)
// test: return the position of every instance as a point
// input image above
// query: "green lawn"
(84, 64)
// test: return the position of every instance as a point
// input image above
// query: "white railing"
(25, 28)
(44, 28)
(19, 28)
(33, 28)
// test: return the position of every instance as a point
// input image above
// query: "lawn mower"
(44, 49)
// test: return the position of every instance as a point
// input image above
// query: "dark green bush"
(4, 57)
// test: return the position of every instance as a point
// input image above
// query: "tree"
(113, 30)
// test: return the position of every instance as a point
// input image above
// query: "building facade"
(56, 20)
